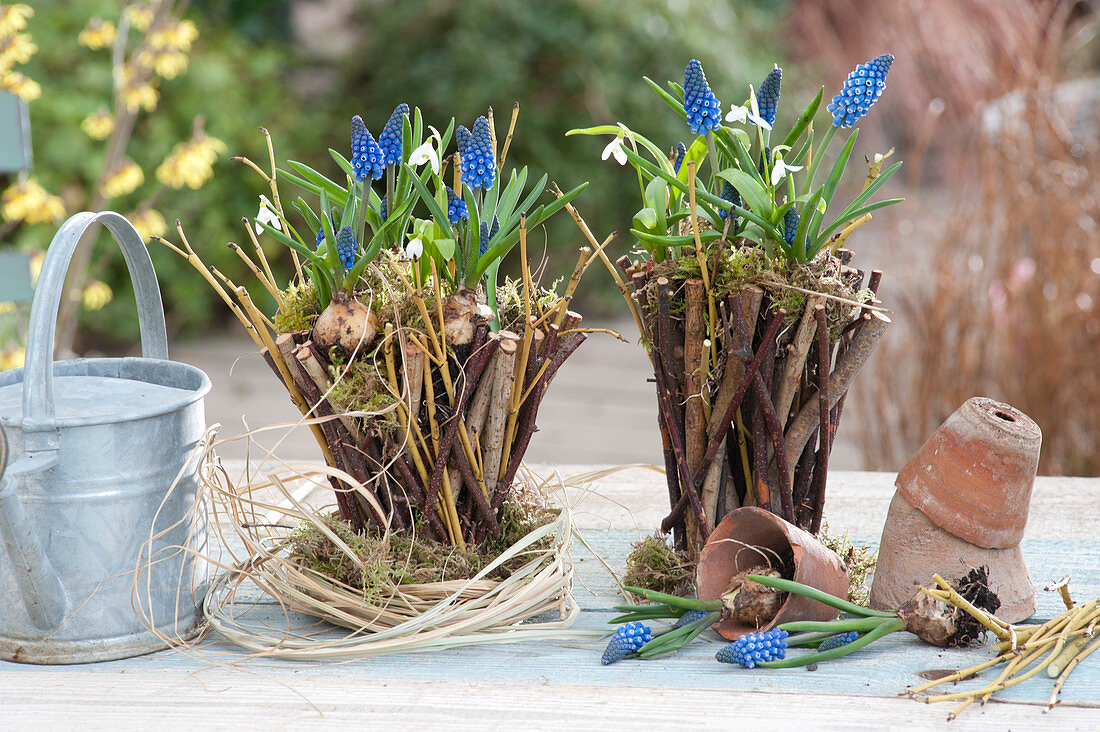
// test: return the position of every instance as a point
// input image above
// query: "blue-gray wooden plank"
(884, 669)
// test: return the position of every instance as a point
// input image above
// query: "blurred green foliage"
(569, 63)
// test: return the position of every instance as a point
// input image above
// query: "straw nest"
(258, 521)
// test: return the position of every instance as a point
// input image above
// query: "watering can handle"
(38, 394)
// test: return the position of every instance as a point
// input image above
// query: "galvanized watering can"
(98, 510)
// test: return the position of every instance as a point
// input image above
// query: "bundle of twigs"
(466, 413)
(1056, 646)
(747, 409)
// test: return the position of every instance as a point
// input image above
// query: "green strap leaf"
(804, 120)
(752, 193)
(815, 594)
(677, 105)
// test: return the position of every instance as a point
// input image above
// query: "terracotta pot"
(973, 476)
(728, 551)
(913, 549)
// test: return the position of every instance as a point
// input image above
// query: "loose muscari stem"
(816, 594)
(669, 640)
(883, 627)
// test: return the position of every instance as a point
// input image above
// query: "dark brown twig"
(821, 467)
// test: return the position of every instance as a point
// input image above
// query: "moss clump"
(739, 267)
(377, 565)
(861, 562)
(654, 565)
(358, 387)
(299, 309)
(510, 303)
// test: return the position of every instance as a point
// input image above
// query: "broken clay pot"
(913, 549)
(751, 536)
(973, 476)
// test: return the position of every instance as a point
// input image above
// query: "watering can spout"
(43, 596)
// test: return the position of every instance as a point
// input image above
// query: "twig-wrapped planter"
(751, 315)
(419, 374)
(750, 431)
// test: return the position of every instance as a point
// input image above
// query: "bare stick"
(821, 467)
(750, 300)
(308, 360)
(800, 490)
(797, 352)
(492, 439)
(638, 280)
(530, 413)
(472, 372)
(412, 373)
(694, 418)
(847, 366)
(479, 405)
(665, 343)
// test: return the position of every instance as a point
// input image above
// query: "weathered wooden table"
(544, 685)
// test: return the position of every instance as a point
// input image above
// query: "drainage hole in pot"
(1006, 417)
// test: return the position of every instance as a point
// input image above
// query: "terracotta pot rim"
(814, 565)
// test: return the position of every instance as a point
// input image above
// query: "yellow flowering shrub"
(13, 18)
(96, 295)
(191, 163)
(29, 202)
(21, 86)
(97, 34)
(139, 16)
(99, 124)
(149, 223)
(125, 178)
(16, 48)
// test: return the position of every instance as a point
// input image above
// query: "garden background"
(992, 264)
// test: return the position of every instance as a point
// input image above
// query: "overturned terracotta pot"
(751, 536)
(962, 501)
(973, 476)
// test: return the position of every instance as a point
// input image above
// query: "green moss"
(510, 303)
(377, 565)
(861, 562)
(299, 309)
(654, 565)
(359, 386)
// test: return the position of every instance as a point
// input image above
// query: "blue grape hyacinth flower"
(486, 235)
(767, 96)
(836, 641)
(754, 648)
(345, 246)
(390, 136)
(456, 207)
(320, 237)
(367, 156)
(729, 193)
(629, 638)
(478, 165)
(790, 225)
(861, 89)
(679, 153)
(462, 139)
(689, 617)
(704, 111)
(384, 209)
